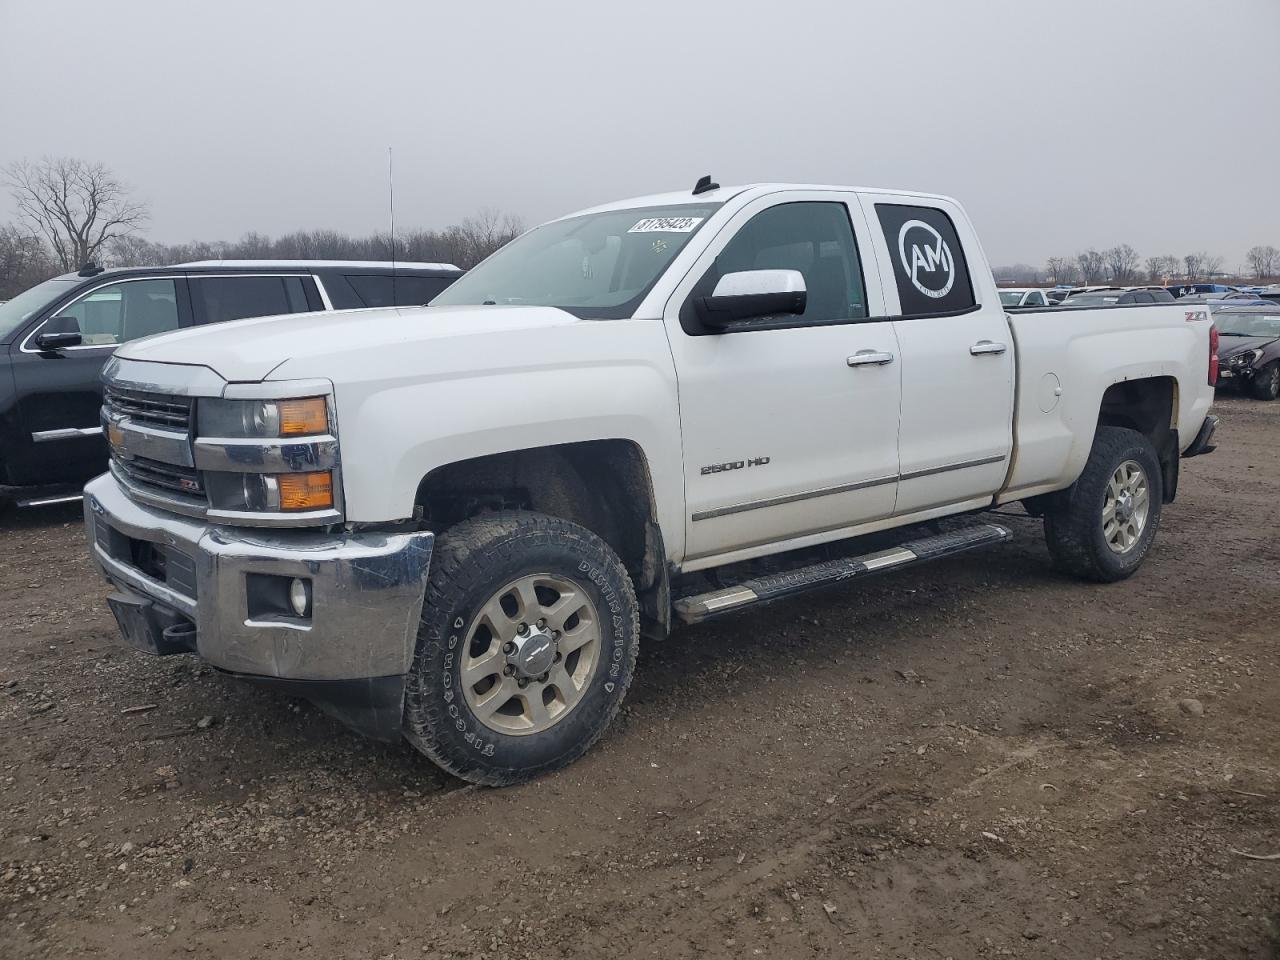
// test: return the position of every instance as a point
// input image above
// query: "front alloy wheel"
(531, 654)
(526, 647)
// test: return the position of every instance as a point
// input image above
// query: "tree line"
(71, 212)
(1121, 265)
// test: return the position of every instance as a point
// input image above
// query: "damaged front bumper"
(223, 593)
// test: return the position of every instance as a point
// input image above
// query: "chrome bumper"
(367, 588)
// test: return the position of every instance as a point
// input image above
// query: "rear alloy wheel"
(1101, 527)
(1266, 381)
(1128, 504)
(526, 648)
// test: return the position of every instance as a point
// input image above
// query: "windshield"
(1248, 324)
(18, 310)
(1010, 298)
(597, 266)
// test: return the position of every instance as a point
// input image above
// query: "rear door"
(956, 432)
(60, 393)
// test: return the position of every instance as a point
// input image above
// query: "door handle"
(987, 346)
(865, 358)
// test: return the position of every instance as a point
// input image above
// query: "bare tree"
(1122, 262)
(1061, 269)
(78, 207)
(1263, 261)
(1193, 264)
(24, 261)
(1163, 269)
(134, 251)
(1091, 265)
(476, 237)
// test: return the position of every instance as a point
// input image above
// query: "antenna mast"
(391, 198)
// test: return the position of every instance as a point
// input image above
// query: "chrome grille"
(165, 476)
(157, 409)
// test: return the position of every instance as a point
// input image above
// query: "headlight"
(270, 493)
(1246, 359)
(268, 456)
(263, 419)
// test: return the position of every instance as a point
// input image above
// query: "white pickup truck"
(454, 523)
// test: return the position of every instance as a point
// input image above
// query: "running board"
(829, 573)
(49, 501)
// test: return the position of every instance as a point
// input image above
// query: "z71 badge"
(734, 465)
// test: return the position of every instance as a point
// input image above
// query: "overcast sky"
(1059, 123)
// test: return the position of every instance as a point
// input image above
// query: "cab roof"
(748, 191)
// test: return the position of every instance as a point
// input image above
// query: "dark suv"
(57, 335)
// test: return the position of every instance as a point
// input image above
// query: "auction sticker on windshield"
(666, 225)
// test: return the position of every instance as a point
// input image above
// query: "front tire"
(1102, 526)
(1266, 382)
(526, 647)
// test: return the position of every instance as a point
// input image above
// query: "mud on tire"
(472, 564)
(1073, 521)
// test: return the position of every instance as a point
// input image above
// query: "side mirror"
(753, 293)
(58, 333)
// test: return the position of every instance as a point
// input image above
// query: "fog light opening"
(300, 596)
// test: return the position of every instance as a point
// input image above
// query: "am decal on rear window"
(928, 262)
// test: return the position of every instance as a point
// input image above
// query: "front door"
(956, 433)
(60, 393)
(789, 423)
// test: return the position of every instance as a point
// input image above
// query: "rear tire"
(525, 650)
(1266, 382)
(1102, 526)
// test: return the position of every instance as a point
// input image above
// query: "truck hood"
(249, 350)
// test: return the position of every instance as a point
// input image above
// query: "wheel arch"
(1148, 405)
(603, 485)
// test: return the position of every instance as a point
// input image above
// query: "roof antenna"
(704, 185)
(391, 198)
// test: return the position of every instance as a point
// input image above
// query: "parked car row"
(57, 335)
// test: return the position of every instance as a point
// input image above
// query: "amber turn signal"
(306, 491)
(303, 416)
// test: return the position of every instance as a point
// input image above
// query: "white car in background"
(1024, 297)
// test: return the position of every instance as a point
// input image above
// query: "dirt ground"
(973, 759)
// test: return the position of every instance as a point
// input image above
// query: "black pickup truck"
(56, 336)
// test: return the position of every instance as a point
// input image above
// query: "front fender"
(601, 381)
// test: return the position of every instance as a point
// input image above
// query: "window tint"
(928, 262)
(1036, 299)
(814, 238)
(125, 311)
(401, 291)
(217, 299)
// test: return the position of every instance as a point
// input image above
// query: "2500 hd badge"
(734, 465)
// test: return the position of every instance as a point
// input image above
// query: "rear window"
(399, 291)
(928, 262)
(218, 299)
